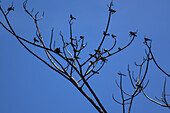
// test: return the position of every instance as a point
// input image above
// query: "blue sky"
(29, 86)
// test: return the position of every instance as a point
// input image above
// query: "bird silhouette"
(133, 34)
(57, 50)
(35, 40)
(109, 53)
(72, 18)
(113, 35)
(105, 50)
(119, 48)
(11, 8)
(147, 39)
(112, 10)
(81, 37)
(91, 55)
(106, 34)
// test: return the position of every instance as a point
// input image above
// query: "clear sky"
(29, 86)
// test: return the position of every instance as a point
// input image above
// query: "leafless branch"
(152, 56)
(163, 97)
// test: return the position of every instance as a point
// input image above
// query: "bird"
(109, 53)
(113, 35)
(35, 40)
(105, 50)
(106, 34)
(11, 8)
(147, 39)
(112, 10)
(57, 50)
(81, 37)
(133, 34)
(91, 55)
(72, 18)
(119, 48)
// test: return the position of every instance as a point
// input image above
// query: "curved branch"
(155, 61)
(121, 48)
(108, 50)
(154, 100)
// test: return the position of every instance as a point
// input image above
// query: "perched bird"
(119, 48)
(112, 10)
(81, 37)
(113, 35)
(147, 39)
(105, 50)
(35, 40)
(91, 55)
(109, 53)
(132, 34)
(96, 57)
(11, 8)
(106, 34)
(72, 18)
(57, 50)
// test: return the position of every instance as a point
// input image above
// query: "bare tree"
(65, 60)
(138, 82)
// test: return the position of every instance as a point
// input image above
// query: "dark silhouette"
(72, 18)
(35, 40)
(57, 50)
(133, 33)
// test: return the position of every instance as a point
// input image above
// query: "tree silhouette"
(66, 59)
